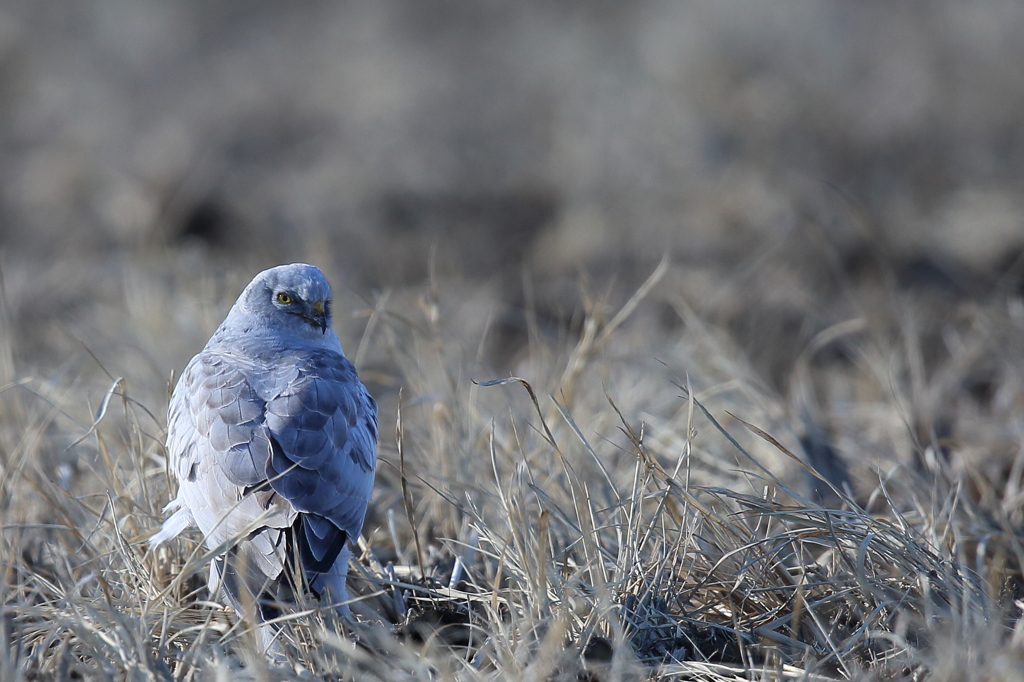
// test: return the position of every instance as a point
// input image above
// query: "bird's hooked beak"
(319, 315)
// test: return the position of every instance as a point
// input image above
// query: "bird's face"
(295, 297)
(313, 311)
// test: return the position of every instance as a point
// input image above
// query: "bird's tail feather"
(175, 523)
(332, 582)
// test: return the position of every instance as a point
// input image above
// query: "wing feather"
(323, 442)
(218, 446)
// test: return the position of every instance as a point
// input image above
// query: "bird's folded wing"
(218, 449)
(323, 431)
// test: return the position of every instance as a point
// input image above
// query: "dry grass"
(587, 523)
(838, 185)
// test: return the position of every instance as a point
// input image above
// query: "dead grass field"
(607, 515)
(698, 333)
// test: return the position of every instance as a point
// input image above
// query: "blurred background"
(838, 187)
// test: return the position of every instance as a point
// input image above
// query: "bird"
(272, 439)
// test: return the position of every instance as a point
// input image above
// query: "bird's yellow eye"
(283, 298)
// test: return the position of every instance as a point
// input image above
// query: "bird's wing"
(323, 433)
(218, 448)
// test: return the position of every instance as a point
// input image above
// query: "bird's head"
(295, 297)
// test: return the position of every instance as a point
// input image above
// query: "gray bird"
(273, 441)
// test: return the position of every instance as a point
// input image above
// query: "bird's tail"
(332, 582)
